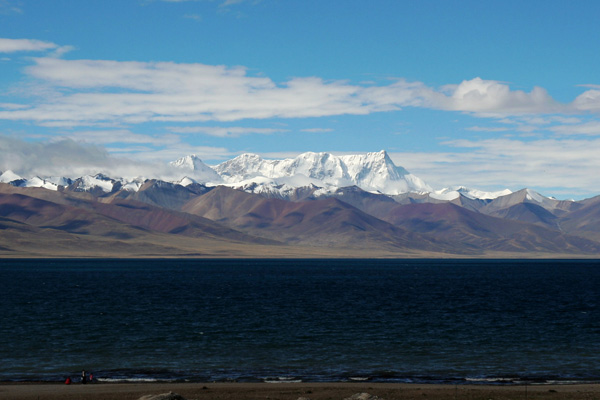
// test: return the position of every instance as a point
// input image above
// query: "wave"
(165, 375)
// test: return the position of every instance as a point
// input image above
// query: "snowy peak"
(453, 193)
(320, 172)
(379, 163)
(376, 172)
(196, 168)
(51, 183)
(9, 176)
(97, 184)
(241, 168)
(323, 167)
(372, 171)
(188, 162)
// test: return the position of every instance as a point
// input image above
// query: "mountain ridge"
(163, 218)
(374, 172)
(316, 204)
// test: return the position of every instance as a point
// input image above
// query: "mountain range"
(314, 205)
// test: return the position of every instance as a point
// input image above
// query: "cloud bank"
(92, 92)
(72, 159)
(558, 167)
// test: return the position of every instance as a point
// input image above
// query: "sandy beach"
(293, 391)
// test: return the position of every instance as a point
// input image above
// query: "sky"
(484, 94)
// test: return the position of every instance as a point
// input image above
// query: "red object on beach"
(68, 381)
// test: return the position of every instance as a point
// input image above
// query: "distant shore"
(293, 391)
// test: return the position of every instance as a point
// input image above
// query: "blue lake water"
(451, 321)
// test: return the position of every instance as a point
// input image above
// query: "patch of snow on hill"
(134, 185)
(88, 183)
(186, 181)
(36, 181)
(59, 180)
(448, 194)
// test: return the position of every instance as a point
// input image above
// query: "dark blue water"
(312, 320)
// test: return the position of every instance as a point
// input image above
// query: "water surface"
(313, 320)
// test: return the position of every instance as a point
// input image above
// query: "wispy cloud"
(488, 129)
(219, 131)
(32, 45)
(317, 130)
(10, 7)
(589, 128)
(113, 136)
(15, 45)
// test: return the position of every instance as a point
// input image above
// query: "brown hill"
(584, 221)
(164, 219)
(529, 212)
(32, 225)
(163, 194)
(327, 222)
(464, 228)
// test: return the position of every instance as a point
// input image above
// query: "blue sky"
(486, 94)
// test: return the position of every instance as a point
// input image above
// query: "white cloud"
(71, 158)
(589, 85)
(495, 164)
(317, 130)
(112, 136)
(133, 92)
(12, 106)
(487, 129)
(84, 92)
(487, 96)
(15, 45)
(50, 158)
(219, 131)
(174, 152)
(588, 101)
(589, 128)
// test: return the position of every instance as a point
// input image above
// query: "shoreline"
(293, 391)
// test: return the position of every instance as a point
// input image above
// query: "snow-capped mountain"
(50, 183)
(373, 172)
(9, 176)
(320, 174)
(96, 183)
(199, 171)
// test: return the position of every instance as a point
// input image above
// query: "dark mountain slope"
(326, 222)
(479, 231)
(163, 220)
(163, 194)
(528, 212)
(585, 221)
